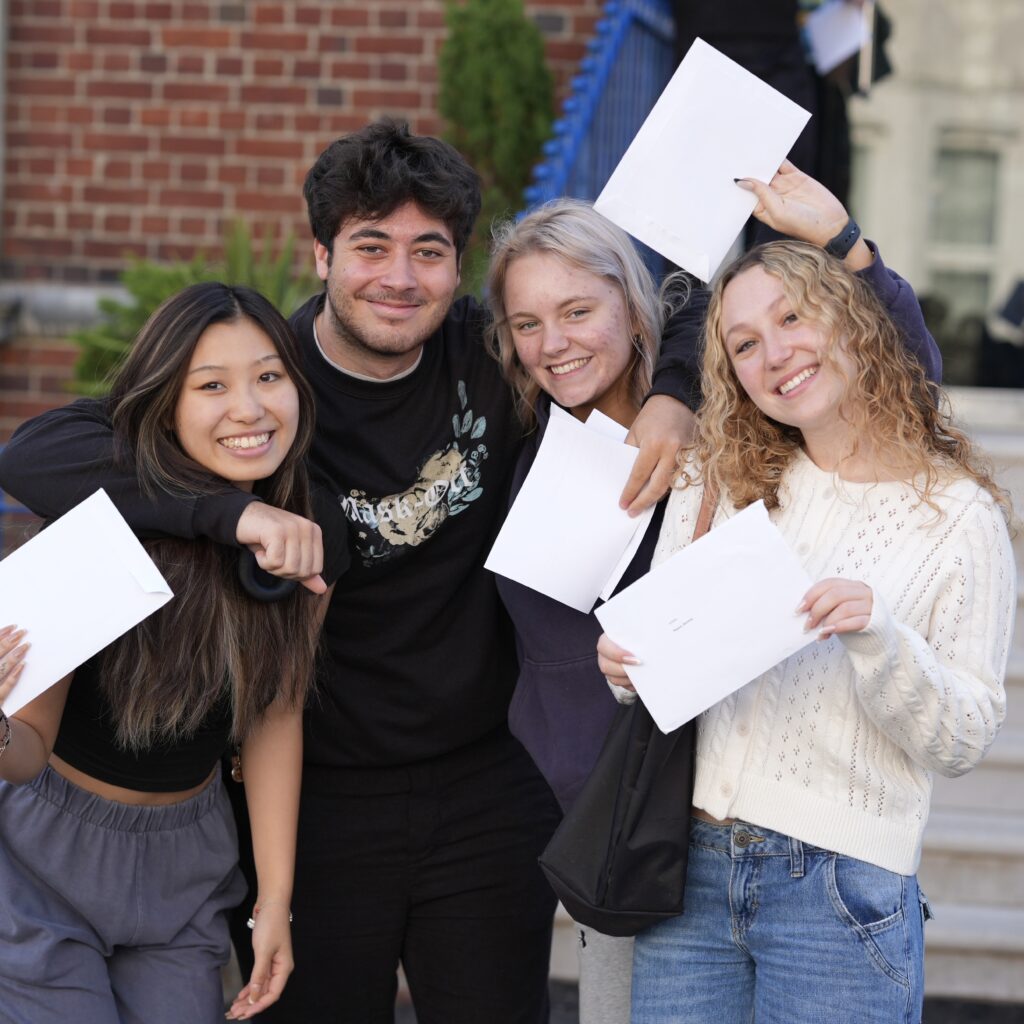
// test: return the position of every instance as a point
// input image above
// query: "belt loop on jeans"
(796, 858)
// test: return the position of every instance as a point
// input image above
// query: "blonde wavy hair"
(574, 232)
(899, 417)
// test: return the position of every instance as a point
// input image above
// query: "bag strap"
(708, 505)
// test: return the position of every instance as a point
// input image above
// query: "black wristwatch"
(844, 241)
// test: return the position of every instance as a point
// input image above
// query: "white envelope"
(711, 618)
(76, 587)
(674, 187)
(565, 535)
(835, 31)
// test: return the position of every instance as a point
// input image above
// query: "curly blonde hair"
(895, 413)
(577, 234)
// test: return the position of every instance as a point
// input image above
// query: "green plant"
(148, 284)
(496, 95)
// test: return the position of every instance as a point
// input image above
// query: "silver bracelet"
(5, 740)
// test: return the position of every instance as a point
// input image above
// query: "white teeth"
(568, 367)
(251, 441)
(784, 389)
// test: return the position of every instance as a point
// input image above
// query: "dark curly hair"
(372, 172)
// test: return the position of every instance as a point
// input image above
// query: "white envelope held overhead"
(565, 535)
(711, 618)
(674, 187)
(75, 588)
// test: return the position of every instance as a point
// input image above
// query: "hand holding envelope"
(75, 588)
(674, 188)
(711, 618)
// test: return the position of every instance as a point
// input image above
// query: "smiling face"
(390, 283)
(572, 335)
(238, 411)
(784, 361)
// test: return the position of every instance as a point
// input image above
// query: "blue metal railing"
(629, 62)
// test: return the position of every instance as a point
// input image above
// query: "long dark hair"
(212, 643)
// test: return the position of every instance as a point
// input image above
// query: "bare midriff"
(696, 812)
(120, 795)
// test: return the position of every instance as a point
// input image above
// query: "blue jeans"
(780, 932)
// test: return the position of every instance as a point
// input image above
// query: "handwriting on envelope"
(711, 618)
(76, 587)
(674, 187)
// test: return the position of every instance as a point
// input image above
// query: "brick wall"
(34, 376)
(139, 128)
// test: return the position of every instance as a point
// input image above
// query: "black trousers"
(433, 865)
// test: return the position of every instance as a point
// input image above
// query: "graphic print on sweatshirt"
(448, 483)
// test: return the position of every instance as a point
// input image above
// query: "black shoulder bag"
(618, 859)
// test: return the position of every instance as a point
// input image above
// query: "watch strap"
(844, 241)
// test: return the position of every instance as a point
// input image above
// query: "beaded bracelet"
(5, 740)
(251, 923)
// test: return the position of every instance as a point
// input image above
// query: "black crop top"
(87, 738)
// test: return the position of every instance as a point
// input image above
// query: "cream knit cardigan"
(835, 746)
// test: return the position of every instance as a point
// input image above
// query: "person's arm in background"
(58, 459)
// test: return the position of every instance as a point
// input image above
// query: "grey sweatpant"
(606, 971)
(113, 914)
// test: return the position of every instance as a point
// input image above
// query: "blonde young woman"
(813, 781)
(577, 322)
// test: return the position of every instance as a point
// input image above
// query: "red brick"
(269, 176)
(205, 92)
(83, 10)
(331, 44)
(39, 140)
(117, 116)
(47, 9)
(229, 66)
(193, 225)
(43, 60)
(260, 201)
(113, 250)
(307, 69)
(155, 117)
(79, 115)
(264, 147)
(51, 35)
(430, 19)
(231, 120)
(290, 94)
(121, 169)
(203, 144)
(391, 98)
(79, 166)
(115, 196)
(190, 64)
(96, 35)
(153, 63)
(193, 172)
(195, 12)
(389, 18)
(206, 38)
(159, 12)
(152, 225)
(41, 86)
(119, 143)
(154, 171)
(65, 355)
(174, 252)
(41, 219)
(40, 115)
(269, 122)
(42, 165)
(307, 123)
(193, 118)
(118, 62)
(80, 61)
(388, 44)
(267, 14)
(232, 174)
(275, 41)
(349, 17)
(120, 90)
(308, 15)
(190, 197)
(117, 223)
(351, 69)
(268, 67)
(394, 72)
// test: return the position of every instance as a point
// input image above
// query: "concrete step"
(997, 784)
(975, 858)
(975, 952)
